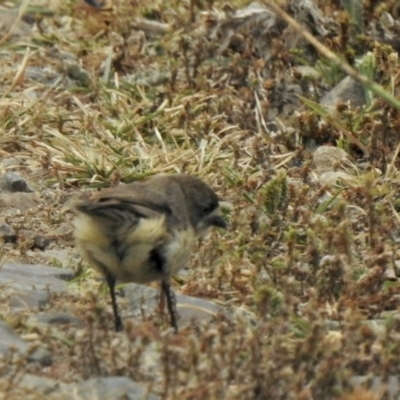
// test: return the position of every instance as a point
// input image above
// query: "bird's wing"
(150, 198)
(111, 205)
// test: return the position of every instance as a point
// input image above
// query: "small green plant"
(275, 194)
(268, 300)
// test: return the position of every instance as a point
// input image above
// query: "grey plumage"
(144, 231)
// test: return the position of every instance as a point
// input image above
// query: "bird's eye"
(206, 210)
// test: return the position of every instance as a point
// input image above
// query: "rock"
(58, 319)
(331, 178)
(11, 162)
(284, 100)
(64, 229)
(60, 256)
(31, 240)
(113, 387)
(107, 388)
(59, 54)
(347, 90)
(43, 75)
(31, 284)
(77, 73)
(379, 385)
(7, 233)
(189, 308)
(377, 326)
(40, 242)
(95, 3)
(41, 356)
(29, 299)
(307, 70)
(150, 27)
(9, 202)
(9, 24)
(148, 78)
(326, 158)
(39, 384)
(37, 275)
(9, 339)
(12, 182)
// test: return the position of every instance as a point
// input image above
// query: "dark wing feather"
(124, 202)
(107, 207)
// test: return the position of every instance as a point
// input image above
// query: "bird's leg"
(117, 319)
(171, 303)
(161, 304)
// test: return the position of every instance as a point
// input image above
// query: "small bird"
(144, 231)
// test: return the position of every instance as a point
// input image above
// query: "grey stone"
(55, 52)
(39, 384)
(11, 162)
(347, 90)
(58, 319)
(44, 75)
(95, 3)
(331, 178)
(41, 242)
(107, 388)
(144, 299)
(326, 158)
(32, 240)
(60, 256)
(378, 326)
(41, 356)
(9, 202)
(149, 78)
(308, 13)
(29, 299)
(150, 27)
(77, 73)
(189, 308)
(14, 183)
(9, 22)
(114, 387)
(379, 386)
(307, 70)
(10, 340)
(7, 233)
(36, 271)
(63, 229)
(31, 284)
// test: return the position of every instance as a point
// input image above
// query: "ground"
(97, 94)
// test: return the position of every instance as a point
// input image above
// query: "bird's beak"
(216, 219)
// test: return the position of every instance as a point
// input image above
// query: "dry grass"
(119, 103)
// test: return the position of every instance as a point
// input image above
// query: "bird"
(145, 231)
